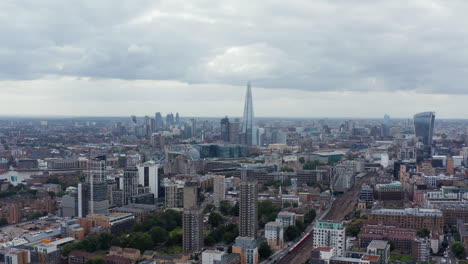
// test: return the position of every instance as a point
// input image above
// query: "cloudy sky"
(305, 58)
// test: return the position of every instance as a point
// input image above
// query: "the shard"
(248, 121)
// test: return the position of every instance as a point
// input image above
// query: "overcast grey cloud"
(136, 50)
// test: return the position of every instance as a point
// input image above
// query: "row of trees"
(159, 231)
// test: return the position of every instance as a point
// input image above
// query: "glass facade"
(248, 121)
(424, 128)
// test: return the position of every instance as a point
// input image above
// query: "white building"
(330, 234)
(210, 256)
(274, 234)
(148, 176)
(286, 218)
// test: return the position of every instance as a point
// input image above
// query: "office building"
(148, 176)
(96, 187)
(192, 224)
(248, 120)
(274, 234)
(225, 129)
(386, 125)
(159, 122)
(367, 193)
(330, 234)
(234, 129)
(424, 129)
(219, 190)
(130, 183)
(248, 209)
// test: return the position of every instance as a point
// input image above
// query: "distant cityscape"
(166, 188)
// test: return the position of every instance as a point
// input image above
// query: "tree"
(292, 232)
(458, 249)
(301, 160)
(423, 233)
(310, 217)
(97, 260)
(141, 241)
(267, 211)
(287, 169)
(209, 241)
(215, 219)
(3, 221)
(235, 209)
(264, 251)
(159, 235)
(225, 207)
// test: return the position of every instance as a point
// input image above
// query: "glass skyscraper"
(248, 121)
(424, 128)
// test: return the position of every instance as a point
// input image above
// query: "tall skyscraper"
(424, 129)
(219, 190)
(177, 119)
(96, 186)
(192, 223)
(234, 131)
(169, 120)
(225, 129)
(387, 123)
(159, 121)
(248, 121)
(248, 209)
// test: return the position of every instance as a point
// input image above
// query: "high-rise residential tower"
(190, 194)
(248, 209)
(248, 121)
(219, 190)
(192, 223)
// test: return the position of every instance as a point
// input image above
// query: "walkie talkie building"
(424, 128)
